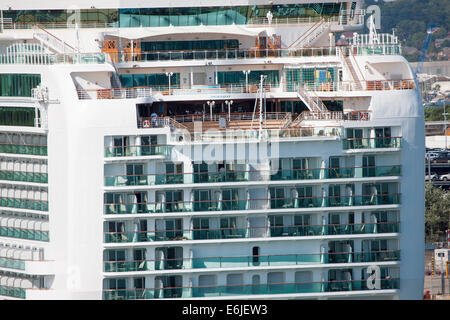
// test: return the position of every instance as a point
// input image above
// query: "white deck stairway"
(350, 67)
(51, 41)
(312, 102)
(317, 30)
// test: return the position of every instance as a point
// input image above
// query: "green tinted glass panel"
(17, 116)
(254, 77)
(18, 84)
(146, 80)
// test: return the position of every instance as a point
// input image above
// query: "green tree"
(435, 113)
(437, 213)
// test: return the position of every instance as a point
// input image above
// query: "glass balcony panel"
(371, 143)
(243, 289)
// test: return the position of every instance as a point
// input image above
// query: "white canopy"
(141, 33)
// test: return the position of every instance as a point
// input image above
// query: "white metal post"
(445, 124)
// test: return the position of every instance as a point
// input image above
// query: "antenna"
(373, 36)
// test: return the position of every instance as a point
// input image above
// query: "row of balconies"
(18, 285)
(252, 175)
(249, 289)
(29, 204)
(251, 261)
(22, 176)
(252, 232)
(37, 150)
(164, 150)
(253, 204)
(23, 233)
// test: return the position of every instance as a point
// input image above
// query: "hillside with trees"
(411, 19)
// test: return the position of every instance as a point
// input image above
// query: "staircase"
(312, 34)
(51, 41)
(312, 102)
(349, 64)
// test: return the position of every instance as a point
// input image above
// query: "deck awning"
(145, 33)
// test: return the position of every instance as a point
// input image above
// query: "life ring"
(364, 116)
(146, 124)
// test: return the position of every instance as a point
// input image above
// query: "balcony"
(248, 289)
(40, 205)
(12, 263)
(137, 151)
(12, 292)
(27, 234)
(251, 232)
(239, 88)
(372, 143)
(250, 261)
(36, 150)
(247, 133)
(254, 53)
(334, 201)
(251, 204)
(24, 176)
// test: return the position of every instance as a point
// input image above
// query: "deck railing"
(23, 233)
(250, 261)
(114, 93)
(252, 134)
(136, 151)
(372, 143)
(42, 58)
(249, 289)
(12, 263)
(11, 175)
(251, 204)
(31, 204)
(242, 88)
(251, 175)
(31, 149)
(12, 292)
(251, 232)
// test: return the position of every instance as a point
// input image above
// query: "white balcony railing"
(114, 93)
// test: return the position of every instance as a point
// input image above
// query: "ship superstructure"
(239, 150)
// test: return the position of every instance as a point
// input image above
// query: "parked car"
(433, 177)
(442, 157)
(431, 155)
(445, 177)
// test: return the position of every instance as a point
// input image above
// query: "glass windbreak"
(17, 116)
(149, 80)
(61, 17)
(195, 16)
(18, 84)
(163, 17)
(148, 46)
(254, 77)
(320, 78)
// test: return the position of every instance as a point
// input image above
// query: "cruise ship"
(207, 150)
